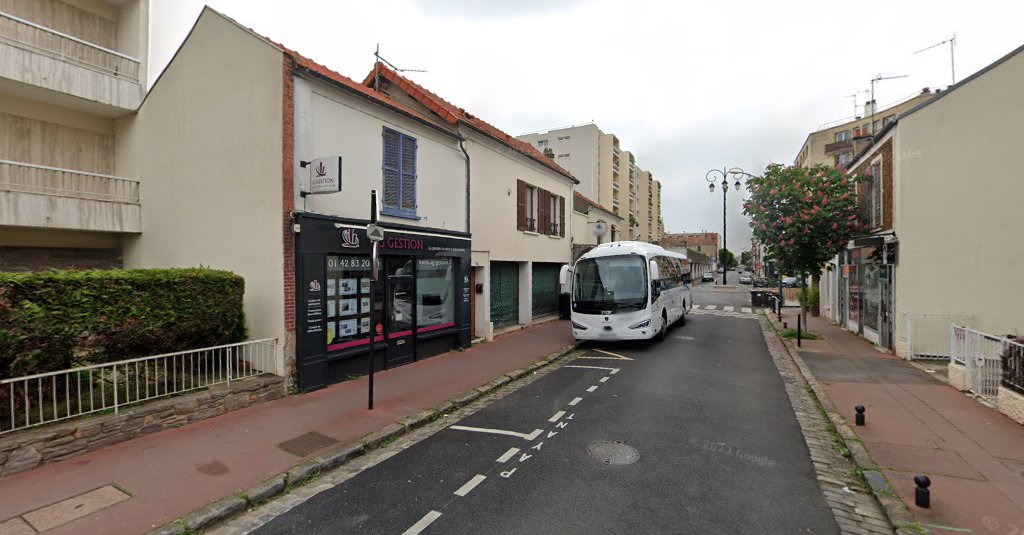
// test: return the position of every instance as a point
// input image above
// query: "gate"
(981, 354)
(504, 294)
(545, 288)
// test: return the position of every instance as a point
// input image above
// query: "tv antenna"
(874, 105)
(376, 77)
(952, 57)
(854, 97)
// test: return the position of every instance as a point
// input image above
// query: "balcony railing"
(31, 178)
(836, 146)
(36, 38)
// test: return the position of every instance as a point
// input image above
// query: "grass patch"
(790, 334)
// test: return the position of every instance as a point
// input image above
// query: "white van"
(629, 291)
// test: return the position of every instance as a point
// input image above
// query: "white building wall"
(581, 147)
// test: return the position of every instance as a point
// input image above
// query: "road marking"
(604, 379)
(557, 415)
(728, 308)
(561, 425)
(508, 455)
(610, 370)
(524, 457)
(695, 307)
(470, 485)
(537, 447)
(616, 355)
(746, 310)
(685, 338)
(948, 528)
(710, 307)
(575, 401)
(591, 389)
(524, 436)
(423, 523)
(552, 433)
(507, 474)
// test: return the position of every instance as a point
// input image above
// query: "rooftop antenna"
(952, 57)
(879, 78)
(854, 97)
(379, 58)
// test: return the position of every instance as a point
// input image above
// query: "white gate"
(981, 355)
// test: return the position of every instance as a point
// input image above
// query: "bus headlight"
(579, 327)
(641, 325)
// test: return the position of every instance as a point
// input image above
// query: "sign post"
(375, 234)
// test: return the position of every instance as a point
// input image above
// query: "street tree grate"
(307, 443)
(613, 452)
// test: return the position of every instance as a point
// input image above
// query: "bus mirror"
(655, 272)
(564, 275)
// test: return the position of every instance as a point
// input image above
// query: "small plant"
(790, 334)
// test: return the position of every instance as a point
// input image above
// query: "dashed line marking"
(746, 310)
(524, 436)
(610, 370)
(507, 455)
(422, 524)
(616, 355)
(591, 389)
(575, 401)
(710, 307)
(728, 308)
(604, 379)
(557, 415)
(470, 485)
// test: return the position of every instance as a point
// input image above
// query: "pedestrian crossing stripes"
(710, 307)
(733, 314)
(728, 308)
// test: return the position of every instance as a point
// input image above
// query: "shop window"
(348, 301)
(399, 174)
(435, 293)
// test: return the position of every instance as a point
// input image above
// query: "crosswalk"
(726, 310)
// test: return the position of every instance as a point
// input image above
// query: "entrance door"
(885, 284)
(401, 311)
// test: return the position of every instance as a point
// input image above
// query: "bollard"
(922, 496)
(859, 418)
(798, 321)
(785, 325)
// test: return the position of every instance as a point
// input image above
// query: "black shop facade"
(420, 303)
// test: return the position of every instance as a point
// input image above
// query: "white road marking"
(616, 355)
(537, 447)
(710, 307)
(575, 401)
(470, 485)
(695, 307)
(552, 433)
(611, 370)
(728, 308)
(508, 473)
(561, 425)
(508, 455)
(746, 310)
(422, 523)
(604, 379)
(524, 457)
(525, 436)
(557, 415)
(591, 389)
(685, 338)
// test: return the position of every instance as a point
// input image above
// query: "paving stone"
(21, 459)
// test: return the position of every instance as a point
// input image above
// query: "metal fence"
(1013, 365)
(928, 335)
(49, 397)
(982, 357)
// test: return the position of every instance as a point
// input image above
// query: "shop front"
(866, 289)
(419, 307)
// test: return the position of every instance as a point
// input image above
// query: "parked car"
(721, 270)
(790, 282)
(746, 279)
(761, 282)
(708, 277)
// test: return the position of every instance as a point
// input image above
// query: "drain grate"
(613, 452)
(307, 443)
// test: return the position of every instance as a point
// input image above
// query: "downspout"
(462, 145)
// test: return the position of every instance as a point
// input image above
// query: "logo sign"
(314, 285)
(380, 328)
(349, 238)
(325, 175)
(374, 232)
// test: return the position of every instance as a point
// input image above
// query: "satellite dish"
(600, 228)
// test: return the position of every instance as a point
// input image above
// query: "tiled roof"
(593, 203)
(454, 115)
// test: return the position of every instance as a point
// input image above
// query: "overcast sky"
(686, 86)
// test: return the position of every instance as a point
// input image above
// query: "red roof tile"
(593, 203)
(454, 115)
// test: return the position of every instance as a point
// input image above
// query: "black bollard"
(798, 321)
(922, 496)
(859, 418)
(785, 325)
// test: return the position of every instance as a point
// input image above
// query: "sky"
(686, 86)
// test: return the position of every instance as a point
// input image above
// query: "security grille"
(545, 288)
(504, 293)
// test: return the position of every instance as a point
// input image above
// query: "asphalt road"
(718, 450)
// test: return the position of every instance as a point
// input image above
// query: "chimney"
(549, 153)
(869, 108)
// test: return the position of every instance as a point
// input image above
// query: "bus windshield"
(610, 283)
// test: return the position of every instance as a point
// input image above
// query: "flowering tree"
(803, 216)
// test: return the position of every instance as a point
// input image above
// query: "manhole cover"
(307, 443)
(613, 452)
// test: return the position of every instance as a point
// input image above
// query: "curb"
(302, 473)
(899, 515)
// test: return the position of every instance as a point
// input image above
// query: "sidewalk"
(172, 473)
(917, 424)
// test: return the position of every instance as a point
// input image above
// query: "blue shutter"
(392, 175)
(408, 174)
(399, 174)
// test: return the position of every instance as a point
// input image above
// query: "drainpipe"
(462, 145)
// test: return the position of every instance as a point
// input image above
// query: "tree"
(746, 259)
(803, 216)
(726, 259)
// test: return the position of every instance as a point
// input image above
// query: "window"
(876, 194)
(531, 208)
(542, 143)
(843, 159)
(843, 136)
(348, 301)
(563, 138)
(875, 126)
(565, 155)
(435, 293)
(554, 216)
(886, 121)
(399, 174)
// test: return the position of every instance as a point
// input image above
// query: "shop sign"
(314, 308)
(325, 175)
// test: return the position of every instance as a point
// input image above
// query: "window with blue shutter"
(399, 174)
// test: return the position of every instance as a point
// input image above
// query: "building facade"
(705, 243)
(70, 72)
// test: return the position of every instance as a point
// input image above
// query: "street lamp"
(723, 175)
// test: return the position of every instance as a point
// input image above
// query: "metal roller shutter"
(545, 288)
(504, 294)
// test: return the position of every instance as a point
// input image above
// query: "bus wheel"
(662, 333)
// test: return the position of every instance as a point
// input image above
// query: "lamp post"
(713, 176)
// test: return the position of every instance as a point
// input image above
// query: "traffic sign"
(374, 232)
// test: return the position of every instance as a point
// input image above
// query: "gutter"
(462, 145)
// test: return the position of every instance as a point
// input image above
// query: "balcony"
(839, 146)
(49, 197)
(615, 185)
(75, 73)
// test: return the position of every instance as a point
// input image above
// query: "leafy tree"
(726, 258)
(803, 216)
(746, 259)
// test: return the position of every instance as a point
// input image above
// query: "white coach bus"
(629, 291)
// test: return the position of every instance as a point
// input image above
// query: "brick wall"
(40, 258)
(864, 189)
(288, 204)
(1011, 404)
(25, 450)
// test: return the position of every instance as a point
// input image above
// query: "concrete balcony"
(71, 72)
(49, 197)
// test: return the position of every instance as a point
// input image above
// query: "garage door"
(504, 294)
(545, 288)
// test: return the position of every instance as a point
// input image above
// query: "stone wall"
(25, 450)
(958, 376)
(1011, 403)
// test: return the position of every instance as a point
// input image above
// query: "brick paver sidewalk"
(917, 424)
(174, 472)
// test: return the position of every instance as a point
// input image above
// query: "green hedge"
(55, 320)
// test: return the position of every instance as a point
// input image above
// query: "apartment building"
(659, 230)
(705, 243)
(607, 173)
(836, 144)
(71, 71)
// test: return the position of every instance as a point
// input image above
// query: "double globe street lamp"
(723, 175)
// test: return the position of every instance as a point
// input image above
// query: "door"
(885, 284)
(401, 311)
(504, 294)
(545, 288)
(472, 303)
